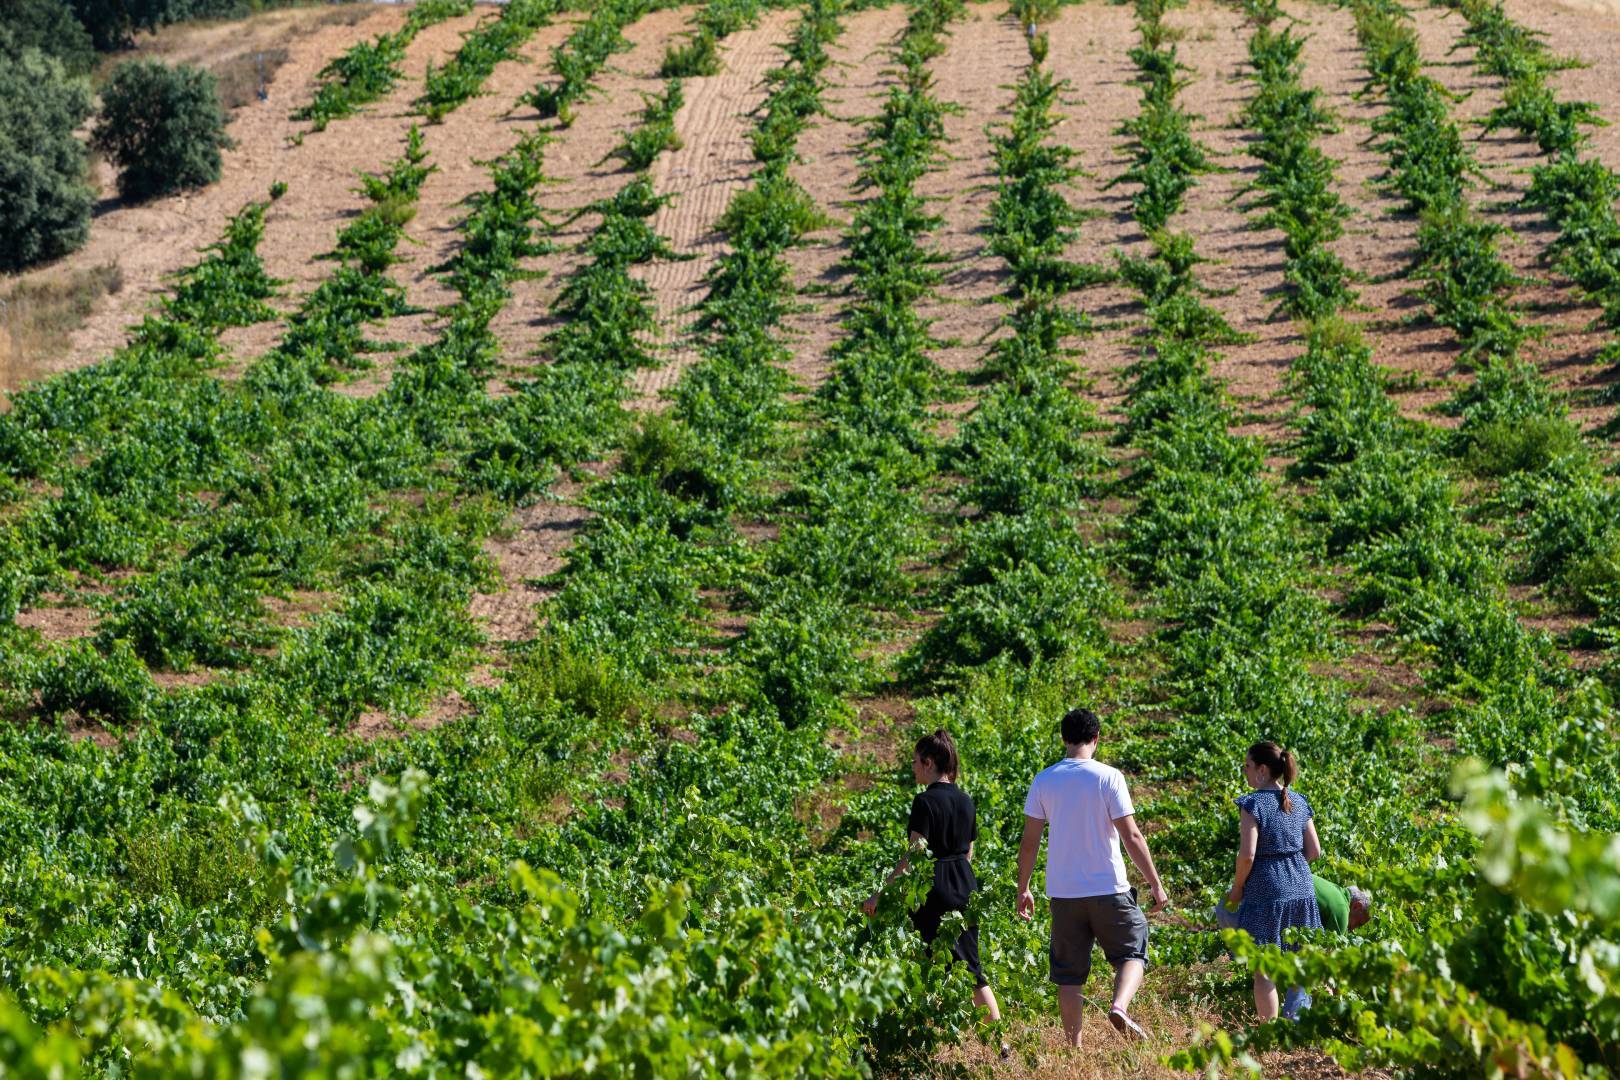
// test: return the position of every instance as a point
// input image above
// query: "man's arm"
(1029, 848)
(1130, 835)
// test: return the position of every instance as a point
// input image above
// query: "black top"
(944, 815)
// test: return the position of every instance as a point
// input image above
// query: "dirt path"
(1087, 50)
(828, 149)
(712, 164)
(983, 57)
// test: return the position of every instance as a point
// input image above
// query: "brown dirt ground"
(541, 533)
(212, 44)
(580, 175)
(533, 550)
(479, 131)
(151, 241)
(1245, 262)
(983, 58)
(60, 623)
(1380, 241)
(1567, 352)
(1086, 49)
(828, 147)
(712, 164)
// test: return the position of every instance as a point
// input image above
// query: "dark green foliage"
(112, 688)
(1027, 588)
(163, 128)
(1031, 221)
(363, 73)
(111, 23)
(49, 26)
(1295, 181)
(698, 56)
(201, 611)
(45, 199)
(578, 60)
(369, 69)
(1465, 280)
(201, 865)
(1166, 156)
(494, 40)
(655, 132)
(802, 650)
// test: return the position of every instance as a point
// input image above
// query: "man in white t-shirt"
(1088, 808)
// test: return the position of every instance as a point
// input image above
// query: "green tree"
(50, 27)
(163, 127)
(45, 200)
(112, 23)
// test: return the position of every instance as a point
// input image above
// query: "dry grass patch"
(39, 315)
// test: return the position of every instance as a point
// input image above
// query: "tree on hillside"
(49, 26)
(163, 127)
(45, 198)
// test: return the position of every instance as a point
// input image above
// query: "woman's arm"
(871, 902)
(1313, 846)
(1248, 844)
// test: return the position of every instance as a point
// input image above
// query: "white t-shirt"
(1079, 801)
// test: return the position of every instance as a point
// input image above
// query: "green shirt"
(1334, 903)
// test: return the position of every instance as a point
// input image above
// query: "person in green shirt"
(1343, 909)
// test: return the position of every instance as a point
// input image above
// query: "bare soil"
(830, 152)
(712, 164)
(1086, 48)
(983, 57)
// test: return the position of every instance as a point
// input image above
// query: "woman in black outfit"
(943, 815)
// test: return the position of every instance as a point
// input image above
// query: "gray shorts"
(1114, 922)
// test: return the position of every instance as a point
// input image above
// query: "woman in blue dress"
(1272, 889)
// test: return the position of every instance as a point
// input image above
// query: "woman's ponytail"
(940, 748)
(1280, 764)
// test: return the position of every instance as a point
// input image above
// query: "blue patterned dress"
(1278, 893)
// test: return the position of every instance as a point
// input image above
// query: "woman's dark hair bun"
(940, 749)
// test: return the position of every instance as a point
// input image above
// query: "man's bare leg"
(1071, 1003)
(1127, 980)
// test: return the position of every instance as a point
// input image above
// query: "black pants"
(953, 884)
